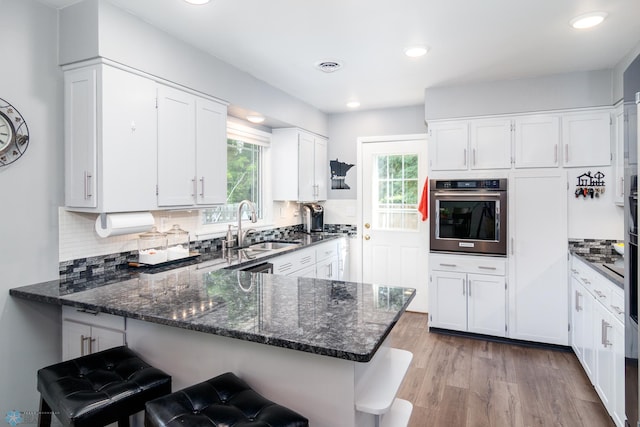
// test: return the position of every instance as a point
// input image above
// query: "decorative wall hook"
(590, 185)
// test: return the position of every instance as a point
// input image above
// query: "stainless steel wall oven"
(469, 216)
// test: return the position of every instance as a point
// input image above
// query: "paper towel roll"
(125, 223)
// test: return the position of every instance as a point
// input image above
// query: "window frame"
(240, 131)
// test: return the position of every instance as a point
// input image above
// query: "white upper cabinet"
(491, 144)
(477, 144)
(192, 149)
(586, 138)
(537, 141)
(110, 140)
(300, 165)
(448, 146)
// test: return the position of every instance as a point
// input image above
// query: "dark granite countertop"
(597, 264)
(333, 318)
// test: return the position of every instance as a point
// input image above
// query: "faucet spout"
(253, 217)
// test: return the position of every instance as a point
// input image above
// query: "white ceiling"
(279, 41)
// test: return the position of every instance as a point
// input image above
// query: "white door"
(448, 293)
(395, 242)
(490, 144)
(211, 152)
(486, 306)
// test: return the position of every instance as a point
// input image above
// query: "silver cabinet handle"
(202, 187)
(482, 267)
(566, 153)
(600, 294)
(605, 334)
(555, 157)
(87, 185)
(465, 157)
(475, 162)
(447, 265)
(617, 309)
(464, 286)
(513, 247)
(578, 307)
(469, 288)
(91, 341)
(586, 281)
(82, 340)
(194, 187)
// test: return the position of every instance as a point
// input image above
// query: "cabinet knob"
(367, 225)
(367, 237)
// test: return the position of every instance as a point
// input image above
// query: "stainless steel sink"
(272, 246)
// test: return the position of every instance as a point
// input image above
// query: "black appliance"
(469, 216)
(631, 98)
(312, 218)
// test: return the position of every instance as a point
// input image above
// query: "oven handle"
(466, 194)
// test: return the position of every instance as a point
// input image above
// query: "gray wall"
(124, 38)
(346, 128)
(31, 193)
(556, 92)
(618, 71)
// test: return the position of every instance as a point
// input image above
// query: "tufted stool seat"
(99, 389)
(225, 400)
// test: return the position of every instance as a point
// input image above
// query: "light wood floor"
(459, 381)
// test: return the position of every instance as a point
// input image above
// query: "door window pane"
(396, 186)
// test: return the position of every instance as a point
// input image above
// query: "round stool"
(99, 389)
(223, 400)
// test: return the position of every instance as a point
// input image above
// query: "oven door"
(469, 222)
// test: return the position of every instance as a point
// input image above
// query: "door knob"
(367, 225)
(367, 237)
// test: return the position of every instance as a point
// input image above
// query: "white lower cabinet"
(463, 300)
(598, 336)
(85, 333)
(320, 261)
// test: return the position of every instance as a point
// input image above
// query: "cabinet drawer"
(100, 319)
(469, 264)
(583, 273)
(616, 304)
(292, 262)
(601, 290)
(326, 250)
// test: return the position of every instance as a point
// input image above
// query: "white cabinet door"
(486, 296)
(448, 300)
(448, 146)
(301, 168)
(577, 319)
(80, 128)
(320, 168)
(604, 381)
(617, 339)
(75, 339)
(586, 138)
(537, 141)
(176, 148)
(128, 141)
(491, 144)
(618, 157)
(211, 152)
(103, 338)
(538, 261)
(306, 167)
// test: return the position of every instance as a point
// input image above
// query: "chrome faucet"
(254, 218)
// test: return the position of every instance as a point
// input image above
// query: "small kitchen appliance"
(469, 216)
(312, 218)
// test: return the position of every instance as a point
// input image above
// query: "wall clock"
(14, 134)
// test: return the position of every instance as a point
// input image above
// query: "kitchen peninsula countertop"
(338, 319)
(599, 266)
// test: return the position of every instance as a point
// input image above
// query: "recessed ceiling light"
(353, 104)
(255, 118)
(588, 20)
(416, 51)
(197, 1)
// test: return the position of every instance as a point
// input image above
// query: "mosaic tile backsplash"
(110, 264)
(595, 250)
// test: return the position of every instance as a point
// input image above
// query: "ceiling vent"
(328, 66)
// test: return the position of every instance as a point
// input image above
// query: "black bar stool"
(225, 400)
(99, 389)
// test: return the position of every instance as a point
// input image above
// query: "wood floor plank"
(463, 382)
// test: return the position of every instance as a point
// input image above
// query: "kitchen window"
(247, 169)
(396, 187)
